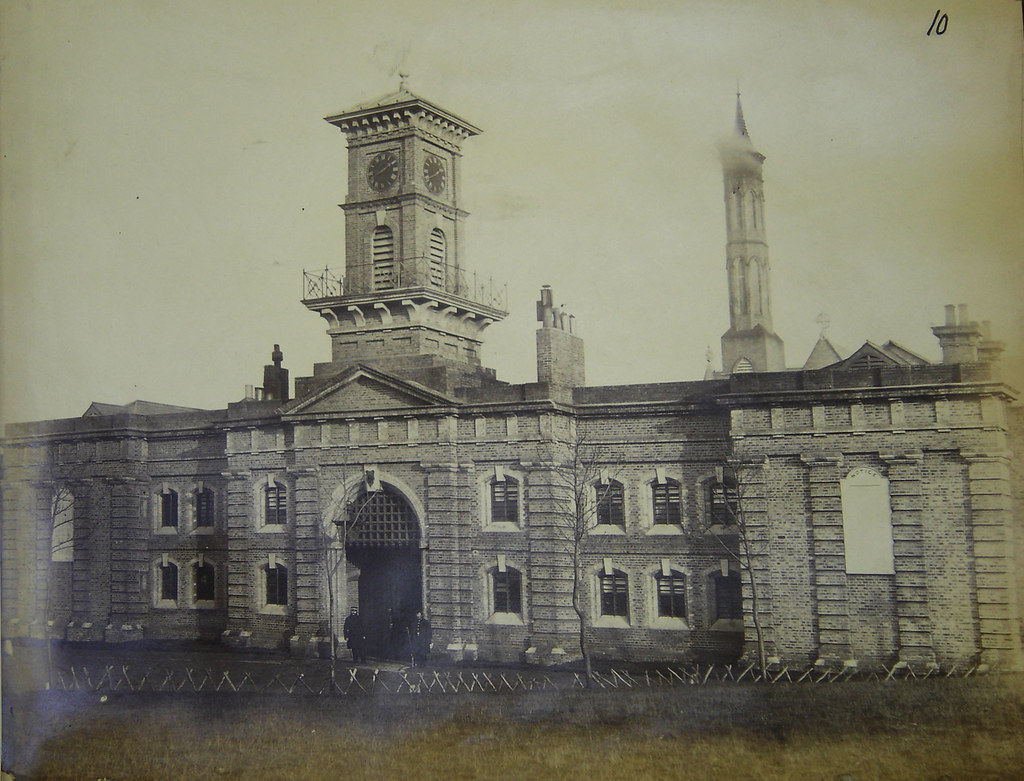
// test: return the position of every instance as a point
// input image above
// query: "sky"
(167, 175)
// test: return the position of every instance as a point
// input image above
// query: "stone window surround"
(186, 506)
(260, 591)
(484, 482)
(487, 572)
(259, 494)
(658, 621)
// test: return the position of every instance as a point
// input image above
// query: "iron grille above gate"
(382, 520)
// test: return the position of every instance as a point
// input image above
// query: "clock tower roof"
(399, 108)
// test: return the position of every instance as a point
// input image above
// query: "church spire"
(750, 344)
(741, 124)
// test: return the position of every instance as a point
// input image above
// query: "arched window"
(169, 508)
(613, 587)
(204, 507)
(385, 273)
(437, 259)
(62, 516)
(867, 523)
(276, 581)
(610, 504)
(275, 504)
(671, 588)
(505, 500)
(506, 590)
(205, 582)
(667, 502)
(169, 581)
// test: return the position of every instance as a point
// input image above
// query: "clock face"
(434, 174)
(382, 172)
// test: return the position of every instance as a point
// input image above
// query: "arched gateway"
(381, 572)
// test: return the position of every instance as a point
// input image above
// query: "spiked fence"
(357, 681)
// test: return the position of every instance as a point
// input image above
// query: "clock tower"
(750, 344)
(406, 302)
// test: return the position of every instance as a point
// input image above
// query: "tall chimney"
(560, 362)
(959, 338)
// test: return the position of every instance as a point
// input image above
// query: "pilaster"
(828, 558)
(914, 624)
(992, 533)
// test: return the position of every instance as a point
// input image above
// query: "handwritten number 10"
(939, 23)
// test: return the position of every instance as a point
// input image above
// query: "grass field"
(951, 729)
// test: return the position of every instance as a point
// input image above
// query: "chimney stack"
(275, 378)
(560, 362)
(960, 339)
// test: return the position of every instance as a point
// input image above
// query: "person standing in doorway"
(355, 635)
(420, 636)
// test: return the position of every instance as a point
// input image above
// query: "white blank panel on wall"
(867, 523)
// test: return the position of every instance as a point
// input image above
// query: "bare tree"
(727, 522)
(342, 516)
(580, 483)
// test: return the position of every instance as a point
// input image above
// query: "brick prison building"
(858, 508)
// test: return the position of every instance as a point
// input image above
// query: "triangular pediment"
(362, 389)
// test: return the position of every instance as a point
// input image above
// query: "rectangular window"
(505, 501)
(169, 508)
(276, 500)
(728, 596)
(508, 592)
(614, 594)
(205, 583)
(610, 504)
(672, 595)
(204, 508)
(667, 502)
(723, 503)
(169, 582)
(277, 585)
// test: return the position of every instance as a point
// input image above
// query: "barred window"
(275, 510)
(169, 508)
(277, 584)
(205, 582)
(671, 594)
(507, 591)
(204, 508)
(667, 497)
(610, 504)
(169, 582)
(505, 501)
(614, 588)
(728, 596)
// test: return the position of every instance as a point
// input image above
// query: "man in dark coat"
(355, 634)
(420, 636)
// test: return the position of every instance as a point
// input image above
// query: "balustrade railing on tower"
(396, 274)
